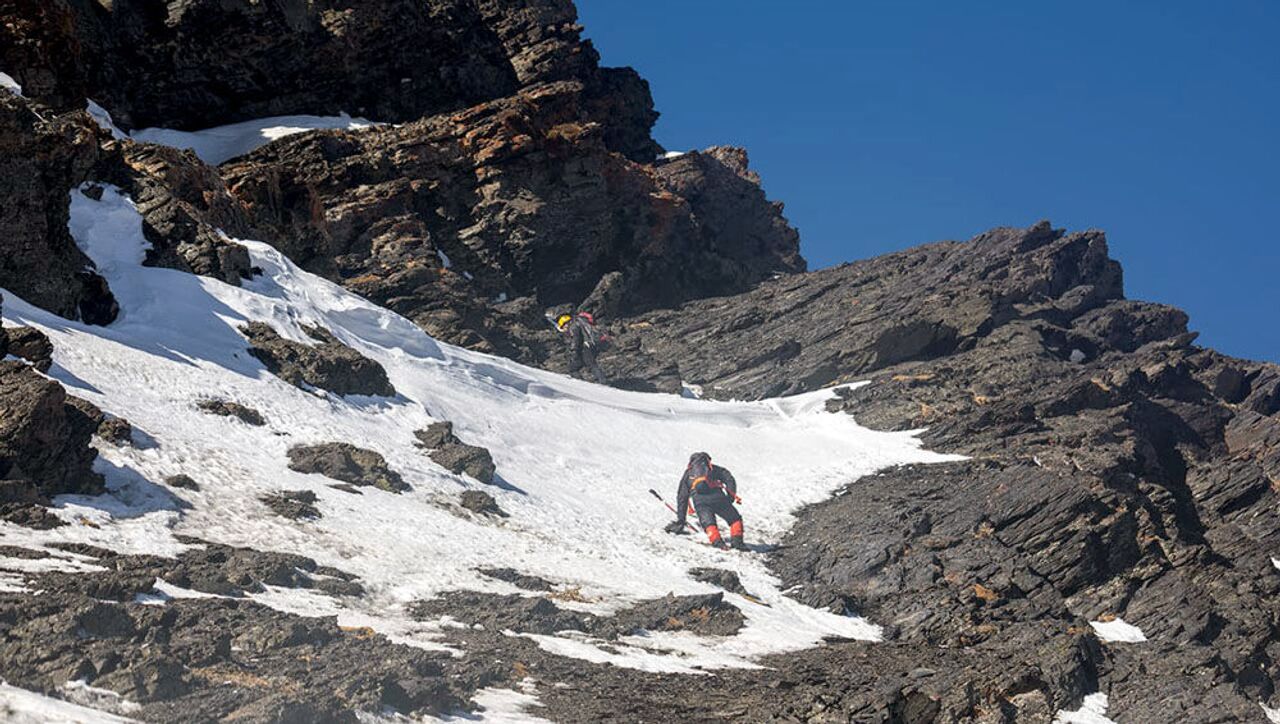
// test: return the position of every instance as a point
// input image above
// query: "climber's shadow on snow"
(502, 483)
(129, 494)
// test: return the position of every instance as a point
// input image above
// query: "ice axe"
(673, 510)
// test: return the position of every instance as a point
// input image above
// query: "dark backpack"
(702, 475)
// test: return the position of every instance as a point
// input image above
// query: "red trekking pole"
(673, 510)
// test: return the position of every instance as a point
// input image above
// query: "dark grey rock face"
(347, 463)
(450, 453)
(329, 364)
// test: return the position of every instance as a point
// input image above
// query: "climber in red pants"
(713, 491)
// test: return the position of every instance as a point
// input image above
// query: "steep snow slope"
(576, 460)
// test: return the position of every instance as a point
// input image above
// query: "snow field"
(576, 460)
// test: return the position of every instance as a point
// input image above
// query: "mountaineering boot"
(719, 544)
(737, 544)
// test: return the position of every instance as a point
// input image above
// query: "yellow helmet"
(563, 320)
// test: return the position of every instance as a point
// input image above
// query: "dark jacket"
(720, 483)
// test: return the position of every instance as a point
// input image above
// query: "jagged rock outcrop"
(187, 212)
(42, 157)
(328, 364)
(206, 63)
(511, 199)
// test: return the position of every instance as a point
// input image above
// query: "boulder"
(328, 364)
(450, 453)
(347, 463)
(480, 503)
(292, 504)
(44, 439)
(224, 408)
(32, 345)
(182, 481)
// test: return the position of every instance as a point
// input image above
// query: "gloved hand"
(677, 528)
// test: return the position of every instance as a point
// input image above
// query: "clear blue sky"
(886, 124)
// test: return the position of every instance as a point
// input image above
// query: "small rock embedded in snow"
(1092, 710)
(1078, 356)
(1118, 630)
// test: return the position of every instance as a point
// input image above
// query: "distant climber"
(712, 491)
(584, 343)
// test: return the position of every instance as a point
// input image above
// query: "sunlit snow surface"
(1093, 710)
(576, 460)
(215, 145)
(1118, 630)
(19, 706)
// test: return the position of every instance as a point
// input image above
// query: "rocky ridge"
(1116, 469)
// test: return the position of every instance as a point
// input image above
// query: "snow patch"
(1078, 356)
(103, 119)
(1118, 630)
(506, 705)
(12, 583)
(19, 706)
(8, 83)
(554, 439)
(215, 145)
(690, 391)
(673, 154)
(1092, 710)
(445, 261)
(1273, 715)
(79, 692)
